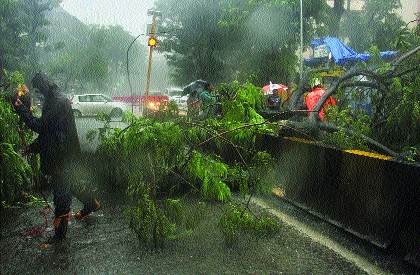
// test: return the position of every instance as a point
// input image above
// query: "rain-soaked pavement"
(103, 244)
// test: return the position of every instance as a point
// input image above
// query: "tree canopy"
(377, 24)
(230, 40)
(100, 62)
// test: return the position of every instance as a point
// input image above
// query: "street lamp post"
(128, 76)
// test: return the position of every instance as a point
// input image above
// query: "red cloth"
(313, 97)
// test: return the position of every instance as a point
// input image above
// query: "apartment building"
(410, 10)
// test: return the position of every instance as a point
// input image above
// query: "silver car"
(93, 104)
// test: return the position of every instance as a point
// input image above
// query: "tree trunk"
(337, 12)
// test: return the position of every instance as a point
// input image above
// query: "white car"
(181, 101)
(93, 104)
(173, 92)
(176, 94)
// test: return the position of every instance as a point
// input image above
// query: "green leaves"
(15, 175)
(149, 222)
(15, 171)
(211, 172)
(236, 220)
(161, 160)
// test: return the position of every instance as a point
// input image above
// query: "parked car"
(181, 101)
(176, 94)
(173, 91)
(93, 104)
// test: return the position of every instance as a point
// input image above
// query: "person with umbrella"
(193, 104)
(193, 90)
(274, 101)
(206, 96)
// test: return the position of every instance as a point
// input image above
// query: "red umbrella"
(268, 89)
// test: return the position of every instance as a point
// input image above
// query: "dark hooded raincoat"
(57, 142)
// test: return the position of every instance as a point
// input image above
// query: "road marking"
(323, 240)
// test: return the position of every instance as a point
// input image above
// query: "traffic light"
(152, 42)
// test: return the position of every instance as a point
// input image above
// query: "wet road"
(103, 244)
(368, 257)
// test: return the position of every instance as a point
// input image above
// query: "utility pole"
(152, 42)
(301, 40)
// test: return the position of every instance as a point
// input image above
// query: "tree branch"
(401, 59)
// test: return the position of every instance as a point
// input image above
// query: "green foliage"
(211, 172)
(149, 222)
(100, 62)
(379, 22)
(237, 219)
(15, 171)
(246, 94)
(34, 20)
(13, 43)
(184, 219)
(162, 156)
(230, 40)
(358, 122)
(395, 108)
(404, 117)
(15, 175)
(239, 104)
(259, 167)
(174, 210)
(197, 47)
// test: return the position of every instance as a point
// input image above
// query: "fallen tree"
(381, 80)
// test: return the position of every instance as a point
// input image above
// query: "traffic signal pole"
(151, 43)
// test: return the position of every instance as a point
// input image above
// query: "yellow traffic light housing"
(152, 42)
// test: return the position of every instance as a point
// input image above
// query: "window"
(84, 98)
(98, 98)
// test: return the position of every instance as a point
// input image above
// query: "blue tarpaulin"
(339, 52)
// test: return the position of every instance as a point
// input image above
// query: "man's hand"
(18, 102)
(25, 151)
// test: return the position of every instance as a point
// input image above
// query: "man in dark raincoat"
(274, 101)
(59, 148)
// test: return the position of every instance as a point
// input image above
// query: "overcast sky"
(130, 14)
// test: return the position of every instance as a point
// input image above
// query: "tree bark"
(337, 12)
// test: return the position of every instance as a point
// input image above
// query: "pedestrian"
(312, 98)
(59, 149)
(206, 96)
(274, 101)
(207, 99)
(193, 104)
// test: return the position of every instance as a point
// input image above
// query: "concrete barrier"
(372, 196)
